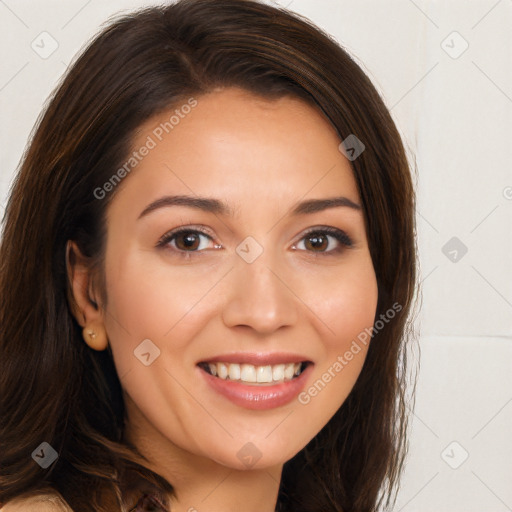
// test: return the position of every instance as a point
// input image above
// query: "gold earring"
(96, 339)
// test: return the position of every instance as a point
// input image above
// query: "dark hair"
(141, 65)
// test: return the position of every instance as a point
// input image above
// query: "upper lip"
(258, 358)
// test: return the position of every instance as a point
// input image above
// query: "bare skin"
(306, 293)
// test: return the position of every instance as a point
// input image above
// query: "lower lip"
(258, 397)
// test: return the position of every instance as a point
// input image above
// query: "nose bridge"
(258, 297)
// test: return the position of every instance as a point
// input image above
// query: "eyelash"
(344, 240)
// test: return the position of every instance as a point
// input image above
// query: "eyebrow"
(219, 207)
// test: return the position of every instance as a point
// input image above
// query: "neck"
(201, 483)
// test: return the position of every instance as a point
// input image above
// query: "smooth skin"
(303, 294)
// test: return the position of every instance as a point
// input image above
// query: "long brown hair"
(54, 388)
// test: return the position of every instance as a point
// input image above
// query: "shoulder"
(45, 502)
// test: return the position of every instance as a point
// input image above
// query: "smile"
(256, 381)
(255, 375)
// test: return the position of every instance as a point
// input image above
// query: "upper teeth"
(251, 373)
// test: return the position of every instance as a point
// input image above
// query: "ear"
(84, 299)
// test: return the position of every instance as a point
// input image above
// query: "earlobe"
(82, 300)
(95, 337)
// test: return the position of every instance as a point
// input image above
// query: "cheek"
(348, 314)
(346, 303)
(152, 302)
(352, 309)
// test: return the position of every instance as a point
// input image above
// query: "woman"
(207, 266)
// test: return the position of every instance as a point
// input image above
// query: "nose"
(260, 297)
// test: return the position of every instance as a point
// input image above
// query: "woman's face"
(264, 277)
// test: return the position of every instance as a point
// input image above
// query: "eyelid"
(165, 239)
(343, 239)
(340, 235)
(336, 232)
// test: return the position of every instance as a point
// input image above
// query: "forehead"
(230, 143)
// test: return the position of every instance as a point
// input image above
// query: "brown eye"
(325, 240)
(318, 242)
(187, 240)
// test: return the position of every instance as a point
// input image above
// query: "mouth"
(256, 380)
(255, 375)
